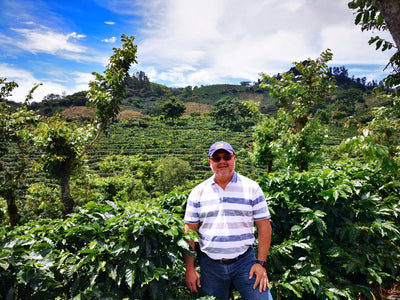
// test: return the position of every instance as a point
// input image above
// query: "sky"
(181, 43)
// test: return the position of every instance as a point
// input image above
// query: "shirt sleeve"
(191, 213)
(260, 207)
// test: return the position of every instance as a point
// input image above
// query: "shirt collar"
(234, 178)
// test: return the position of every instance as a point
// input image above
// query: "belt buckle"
(227, 261)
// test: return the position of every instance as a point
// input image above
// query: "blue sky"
(180, 42)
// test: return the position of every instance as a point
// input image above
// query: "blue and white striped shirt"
(226, 217)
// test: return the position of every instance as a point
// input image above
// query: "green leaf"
(130, 276)
(375, 275)
(335, 194)
(4, 264)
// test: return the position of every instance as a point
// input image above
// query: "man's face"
(226, 164)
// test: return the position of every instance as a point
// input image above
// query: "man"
(223, 209)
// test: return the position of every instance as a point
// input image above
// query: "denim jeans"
(216, 278)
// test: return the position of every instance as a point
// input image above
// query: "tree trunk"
(390, 10)
(13, 211)
(269, 162)
(8, 193)
(66, 198)
(300, 123)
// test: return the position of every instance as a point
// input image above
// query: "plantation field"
(188, 139)
(335, 227)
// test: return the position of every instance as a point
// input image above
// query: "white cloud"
(236, 39)
(44, 40)
(110, 23)
(81, 81)
(26, 81)
(350, 46)
(111, 40)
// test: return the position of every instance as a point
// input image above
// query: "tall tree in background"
(298, 94)
(65, 146)
(173, 108)
(381, 15)
(16, 126)
(231, 112)
(295, 141)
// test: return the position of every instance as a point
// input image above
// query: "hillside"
(353, 98)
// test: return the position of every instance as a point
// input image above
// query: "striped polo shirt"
(226, 217)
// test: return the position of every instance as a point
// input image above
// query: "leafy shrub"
(335, 231)
(130, 177)
(171, 171)
(174, 202)
(102, 252)
(42, 200)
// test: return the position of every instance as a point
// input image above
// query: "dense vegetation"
(326, 156)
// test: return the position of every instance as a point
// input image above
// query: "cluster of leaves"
(174, 202)
(62, 144)
(127, 177)
(301, 88)
(335, 231)
(379, 138)
(370, 16)
(235, 114)
(104, 251)
(277, 147)
(173, 108)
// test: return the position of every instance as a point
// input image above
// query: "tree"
(263, 135)
(390, 10)
(231, 112)
(347, 99)
(173, 109)
(298, 141)
(298, 94)
(15, 133)
(378, 139)
(64, 144)
(381, 15)
(171, 171)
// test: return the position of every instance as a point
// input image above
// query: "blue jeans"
(216, 278)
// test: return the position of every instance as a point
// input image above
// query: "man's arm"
(192, 277)
(264, 238)
(264, 242)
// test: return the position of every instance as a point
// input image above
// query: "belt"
(228, 261)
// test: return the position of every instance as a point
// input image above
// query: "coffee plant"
(104, 251)
(335, 231)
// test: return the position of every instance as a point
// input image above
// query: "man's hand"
(261, 277)
(192, 278)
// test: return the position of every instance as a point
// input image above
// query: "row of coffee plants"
(104, 251)
(188, 140)
(336, 232)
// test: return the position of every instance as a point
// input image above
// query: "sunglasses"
(218, 158)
